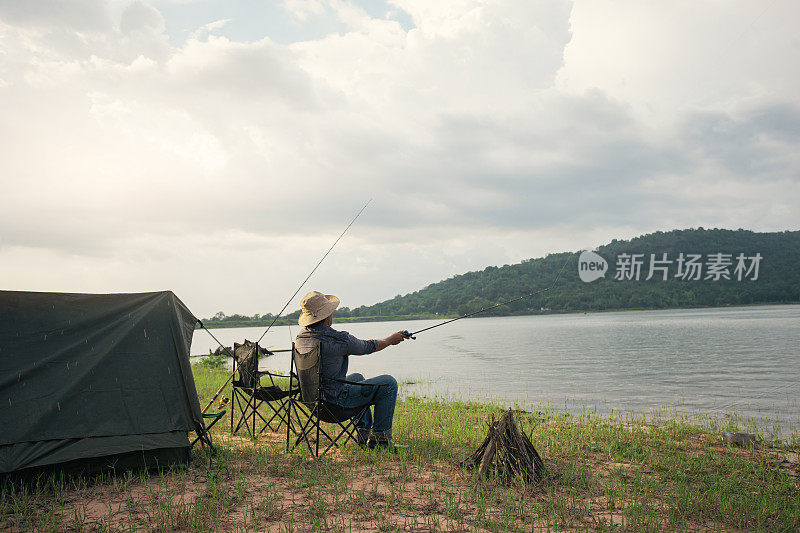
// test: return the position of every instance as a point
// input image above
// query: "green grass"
(620, 472)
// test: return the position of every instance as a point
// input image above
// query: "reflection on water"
(709, 360)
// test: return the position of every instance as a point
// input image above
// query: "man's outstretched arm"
(391, 340)
(356, 346)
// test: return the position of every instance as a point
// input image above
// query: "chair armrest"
(266, 373)
(214, 417)
(356, 382)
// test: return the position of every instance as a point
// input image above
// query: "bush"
(213, 361)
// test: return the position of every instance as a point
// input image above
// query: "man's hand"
(396, 338)
(391, 340)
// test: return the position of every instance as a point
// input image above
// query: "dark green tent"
(93, 381)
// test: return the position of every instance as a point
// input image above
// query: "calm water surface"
(707, 361)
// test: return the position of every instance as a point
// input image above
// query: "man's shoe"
(383, 440)
(388, 445)
(365, 438)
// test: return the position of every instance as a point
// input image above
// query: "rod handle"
(407, 335)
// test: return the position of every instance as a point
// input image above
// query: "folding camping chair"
(314, 408)
(204, 433)
(249, 396)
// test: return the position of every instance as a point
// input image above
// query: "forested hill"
(778, 278)
(716, 254)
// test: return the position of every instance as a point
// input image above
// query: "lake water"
(698, 361)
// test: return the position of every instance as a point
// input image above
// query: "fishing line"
(408, 335)
(291, 339)
(284, 307)
(314, 270)
(778, 389)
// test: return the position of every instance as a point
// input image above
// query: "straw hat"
(316, 306)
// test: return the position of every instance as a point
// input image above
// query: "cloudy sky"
(217, 147)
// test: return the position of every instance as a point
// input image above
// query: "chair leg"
(333, 441)
(250, 405)
(268, 422)
(243, 413)
(233, 402)
(317, 443)
(257, 406)
(253, 434)
(280, 413)
(205, 439)
(292, 406)
(301, 426)
(288, 424)
(304, 428)
(348, 429)
(309, 427)
(320, 429)
(284, 412)
(314, 424)
(237, 402)
(325, 433)
(288, 415)
(276, 413)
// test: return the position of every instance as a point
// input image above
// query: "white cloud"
(75, 15)
(302, 9)
(141, 17)
(490, 132)
(167, 130)
(676, 56)
(210, 28)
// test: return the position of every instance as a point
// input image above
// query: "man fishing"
(316, 318)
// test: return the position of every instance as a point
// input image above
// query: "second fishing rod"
(230, 378)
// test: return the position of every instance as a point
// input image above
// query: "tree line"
(777, 281)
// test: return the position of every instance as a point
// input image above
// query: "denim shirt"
(335, 348)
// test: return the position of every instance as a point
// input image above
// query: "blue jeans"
(384, 400)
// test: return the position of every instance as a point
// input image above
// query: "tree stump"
(507, 452)
(226, 350)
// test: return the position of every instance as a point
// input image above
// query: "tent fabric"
(92, 375)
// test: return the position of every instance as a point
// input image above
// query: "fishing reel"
(407, 335)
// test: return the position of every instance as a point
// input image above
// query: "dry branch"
(507, 452)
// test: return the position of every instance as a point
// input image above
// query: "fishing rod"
(314, 270)
(409, 335)
(288, 301)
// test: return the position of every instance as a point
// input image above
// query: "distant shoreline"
(345, 320)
